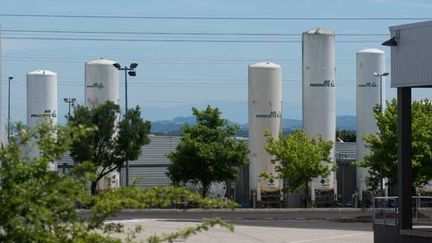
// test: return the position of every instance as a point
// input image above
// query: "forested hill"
(173, 127)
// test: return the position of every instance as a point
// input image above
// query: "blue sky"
(173, 77)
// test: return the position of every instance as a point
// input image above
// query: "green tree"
(39, 205)
(299, 158)
(383, 145)
(346, 135)
(208, 151)
(112, 143)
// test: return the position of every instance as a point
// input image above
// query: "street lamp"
(71, 102)
(9, 120)
(380, 76)
(131, 71)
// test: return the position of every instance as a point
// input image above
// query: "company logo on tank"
(272, 114)
(97, 85)
(46, 113)
(325, 181)
(325, 83)
(368, 84)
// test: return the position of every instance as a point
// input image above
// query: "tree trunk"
(205, 188)
(93, 187)
(307, 190)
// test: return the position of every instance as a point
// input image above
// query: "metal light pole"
(9, 120)
(71, 102)
(380, 76)
(131, 71)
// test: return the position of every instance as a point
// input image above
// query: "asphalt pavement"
(333, 225)
(297, 231)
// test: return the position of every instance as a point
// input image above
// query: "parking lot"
(261, 230)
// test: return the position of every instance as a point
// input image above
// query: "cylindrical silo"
(101, 82)
(369, 94)
(319, 94)
(102, 85)
(265, 106)
(41, 102)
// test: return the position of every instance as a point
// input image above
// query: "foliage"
(300, 158)
(208, 151)
(112, 143)
(383, 145)
(39, 205)
(346, 135)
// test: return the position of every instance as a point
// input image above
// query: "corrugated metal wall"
(150, 168)
(346, 150)
(411, 58)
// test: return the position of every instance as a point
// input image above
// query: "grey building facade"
(149, 170)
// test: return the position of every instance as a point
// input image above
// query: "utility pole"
(131, 71)
(9, 116)
(71, 102)
(380, 76)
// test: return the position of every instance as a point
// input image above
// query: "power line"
(168, 59)
(172, 40)
(173, 33)
(171, 62)
(212, 18)
(245, 63)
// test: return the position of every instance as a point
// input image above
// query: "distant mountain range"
(173, 127)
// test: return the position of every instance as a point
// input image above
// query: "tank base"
(325, 198)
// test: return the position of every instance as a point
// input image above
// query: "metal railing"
(422, 210)
(386, 210)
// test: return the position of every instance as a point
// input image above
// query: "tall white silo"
(265, 107)
(41, 102)
(102, 85)
(101, 82)
(369, 61)
(319, 93)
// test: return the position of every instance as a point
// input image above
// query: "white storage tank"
(369, 61)
(319, 93)
(101, 82)
(41, 102)
(265, 107)
(102, 85)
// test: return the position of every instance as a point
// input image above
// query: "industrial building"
(150, 169)
(410, 61)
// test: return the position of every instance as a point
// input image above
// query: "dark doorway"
(346, 181)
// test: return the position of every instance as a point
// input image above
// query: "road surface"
(260, 230)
